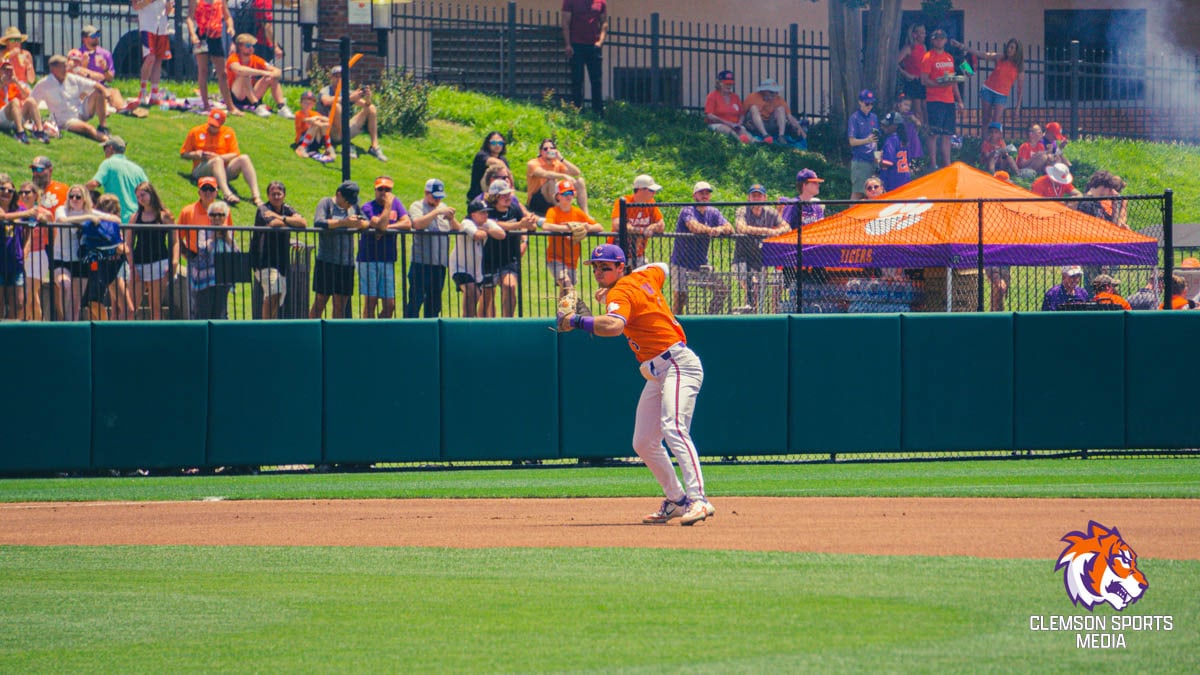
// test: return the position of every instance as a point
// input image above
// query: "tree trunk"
(879, 68)
(845, 46)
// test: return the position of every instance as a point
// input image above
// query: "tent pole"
(949, 291)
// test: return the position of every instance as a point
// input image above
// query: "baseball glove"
(567, 301)
(578, 232)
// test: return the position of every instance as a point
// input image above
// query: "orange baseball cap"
(207, 181)
(565, 186)
(1054, 129)
(384, 181)
(216, 117)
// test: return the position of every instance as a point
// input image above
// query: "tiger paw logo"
(1098, 567)
(895, 217)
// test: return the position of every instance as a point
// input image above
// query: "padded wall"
(1161, 388)
(599, 385)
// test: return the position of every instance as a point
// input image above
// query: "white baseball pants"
(664, 413)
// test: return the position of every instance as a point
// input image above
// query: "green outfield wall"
(169, 394)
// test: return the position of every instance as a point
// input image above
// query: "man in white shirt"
(72, 100)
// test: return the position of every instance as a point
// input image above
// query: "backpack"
(98, 240)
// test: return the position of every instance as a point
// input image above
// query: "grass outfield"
(213, 609)
(1100, 478)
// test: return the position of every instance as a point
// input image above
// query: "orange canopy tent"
(931, 233)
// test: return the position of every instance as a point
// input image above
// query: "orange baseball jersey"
(1106, 298)
(563, 249)
(223, 142)
(253, 61)
(637, 299)
(636, 216)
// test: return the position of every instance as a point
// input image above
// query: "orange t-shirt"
(650, 327)
(195, 214)
(1106, 298)
(935, 64)
(728, 109)
(1044, 187)
(1002, 78)
(302, 122)
(561, 248)
(223, 142)
(1025, 153)
(1179, 302)
(533, 184)
(764, 108)
(254, 61)
(636, 216)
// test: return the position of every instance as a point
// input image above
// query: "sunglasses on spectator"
(874, 187)
(25, 192)
(38, 169)
(208, 188)
(6, 190)
(496, 142)
(568, 193)
(74, 196)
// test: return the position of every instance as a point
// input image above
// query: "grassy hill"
(674, 147)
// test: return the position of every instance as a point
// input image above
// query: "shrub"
(403, 103)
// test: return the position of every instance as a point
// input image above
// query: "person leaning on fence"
(213, 149)
(1067, 292)
(67, 269)
(212, 297)
(333, 275)
(271, 252)
(754, 223)
(570, 225)
(502, 256)
(365, 119)
(312, 132)
(102, 249)
(641, 222)
(696, 226)
(863, 136)
(155, 250)
(13, 237)
(37, 263)
(17, 106)
(767, 112)
(723, 109)
(585, 25)
(72, 100)
(1105, 289)
(250, 78)
(466, 260)
(376, 260)
(432, 221)
(155, 28)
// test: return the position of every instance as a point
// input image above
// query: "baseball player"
(634, 305)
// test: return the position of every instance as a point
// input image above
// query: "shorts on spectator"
(158, 45)
(490, 280)
(538, 204)
(316, 145)
(941, 118)
(559, 269)
(988, 96)
(333, 279)
(243, 102)
(860, 171)
(271, 282)
(377, 279)
(153, 271)
(914, 90)
(720, 127)
(12, 277)
(37, 266)
(216, 47)
(461, 279)
(122, 271)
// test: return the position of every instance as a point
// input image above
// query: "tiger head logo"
(1098, 567)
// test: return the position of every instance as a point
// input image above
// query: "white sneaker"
(285, 112)
(697, 510)
(262, 111)
(666, 512)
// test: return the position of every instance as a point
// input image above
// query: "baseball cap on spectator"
(41, 162)
(725, 76)
(562, 187)
(89, 31)
(116, 143)
(606, 253)
(435, 188)
(1190, 263)
(1104, 280)
(500, 187)
(476, 205)
(769, 84)
(1003, 175)
(757, 187)
(56, 60)
(308, 94)
(349, 191)
(701, 186)
(1072, 271)
(1054, 130)
(245, 39)
(207, 181)
(866, 96)
(891, 119)
(938, 33)
(335, 71)
(645, 182)
(807, 175)
(1060, 173)
(216, 117)
(384, 181)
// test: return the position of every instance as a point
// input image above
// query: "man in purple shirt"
(377, 249)
(696, 226)
(1067, 292)
(863, 141)
(585, 24)
(94, 62)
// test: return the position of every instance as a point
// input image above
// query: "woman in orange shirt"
(1004, 80)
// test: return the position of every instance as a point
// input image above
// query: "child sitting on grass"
(312, 131)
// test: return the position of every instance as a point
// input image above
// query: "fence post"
(1073, 133)
(655, 79)
(793, 65)
(979, 259)
(798, 307)
(1168, 247)
(623, 229)
(510, 87)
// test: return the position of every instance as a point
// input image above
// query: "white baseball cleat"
(666, 512)
(697, 510)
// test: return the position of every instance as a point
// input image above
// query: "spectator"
(874, 187)
(499, 172)
(466, 260)
(1069, 291)
(212, 297)
(1105, 288)
(19, 107)
(213, 149)
(562, 252)
(208, 23)
(250, 77)
(1056, 183)
(155, 29)
(641, 222)
(1104, 184)
(1055, 143)
(542, 174)
(942, 95)
(96, 63)
(37, 263)
(1004, 176)
(155, 250)
(1031, 156)
(502, 255)
(894, 167)
(366, 118)
(754, 223)
(493, 153)
(1148, 296)
(863, 130)
(432, 221)
(766, 110)
(1179, 299)
(119, 176)
(271, 252)
(312, 132)
(585, 24)
(73, 100)
(13, 238)
(334, 272)
(67, 269)
(723, 109)
(102, 251)
(993, 152)
(913, 130)
(385, 216)
(805, 208)
(17, 55)
(696, 226)
(196, 214)
(909, 65)
(1004, 80)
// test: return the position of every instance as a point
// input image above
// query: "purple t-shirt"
(798, 213)
(898, 173)
(860, 126)
(94, 60)
(12, 254)
(691, 250)
(374, 246)
(1058, 296)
